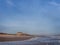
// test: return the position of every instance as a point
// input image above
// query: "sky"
(30, 16)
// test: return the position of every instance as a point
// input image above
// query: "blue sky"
(30, 16)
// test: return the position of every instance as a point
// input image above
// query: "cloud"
(54, 3)
(10, 3)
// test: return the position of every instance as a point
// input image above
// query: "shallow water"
(33, 41)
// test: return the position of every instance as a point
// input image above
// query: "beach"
(4, 39)
(33, 41)
(19, 36)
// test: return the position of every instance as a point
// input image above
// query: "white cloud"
(54, 3)
(10, 2)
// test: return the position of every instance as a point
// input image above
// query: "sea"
(34, 41)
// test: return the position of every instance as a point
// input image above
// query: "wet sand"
(4, 39)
